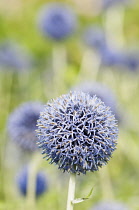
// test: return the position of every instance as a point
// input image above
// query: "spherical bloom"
(102, 92)
(22, 124)
(77, 132)
(13, 57)
(22, 181)
(111, 57)
(94, 36)
(110, 205)
(57, 21)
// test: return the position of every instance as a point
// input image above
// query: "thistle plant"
(78, 133)
(13, 57)
(22, 124)
(58, 22)
(40, 184)
(94, 41)
(94, 37)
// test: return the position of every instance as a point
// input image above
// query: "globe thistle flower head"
(22, 182)
(110, 205)
(57, 21)
(13, 57)
(22, 124)
(94, 37)
(77, 132)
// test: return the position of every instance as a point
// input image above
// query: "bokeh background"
(36, 67)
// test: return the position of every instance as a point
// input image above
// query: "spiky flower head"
(77, 132)
(94, 37)
(22, 182)
(57, 21)
(102, 92)
(14, 57)
(110, 205)
(22, 124)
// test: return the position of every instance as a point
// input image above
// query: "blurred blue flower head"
(111, 57)
(57, 21)
(22, 182)
(102, 92)
(131, 60)
(110, 205)
(77, 132)
(127, 60)
(13, 57)
(22, 124)
(94, 37)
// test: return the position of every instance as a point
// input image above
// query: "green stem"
(114, 26)
(71, 191)
(89, 66)
(59, 64)
(31, 186)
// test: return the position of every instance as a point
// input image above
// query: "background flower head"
(57, 21)
(22, 124)
(22, 181)
(110, 205)
(77, 132)
(94, 37)
(13, 57)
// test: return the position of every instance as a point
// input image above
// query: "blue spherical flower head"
(22, 182)
(110, 205)
(77, 132)
(57, 21)
(22, 125)
(94, 37)
(13, 57)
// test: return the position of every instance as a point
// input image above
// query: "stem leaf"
(79, 200)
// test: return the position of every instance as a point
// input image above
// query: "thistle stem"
(31, 184)
(89, 66)
(59, 64)
(71, 191)
(114, 26)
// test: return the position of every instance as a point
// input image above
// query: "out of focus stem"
(114, 26)
(71, 191)
(31, 184)
(89, 66)
(59, 65)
